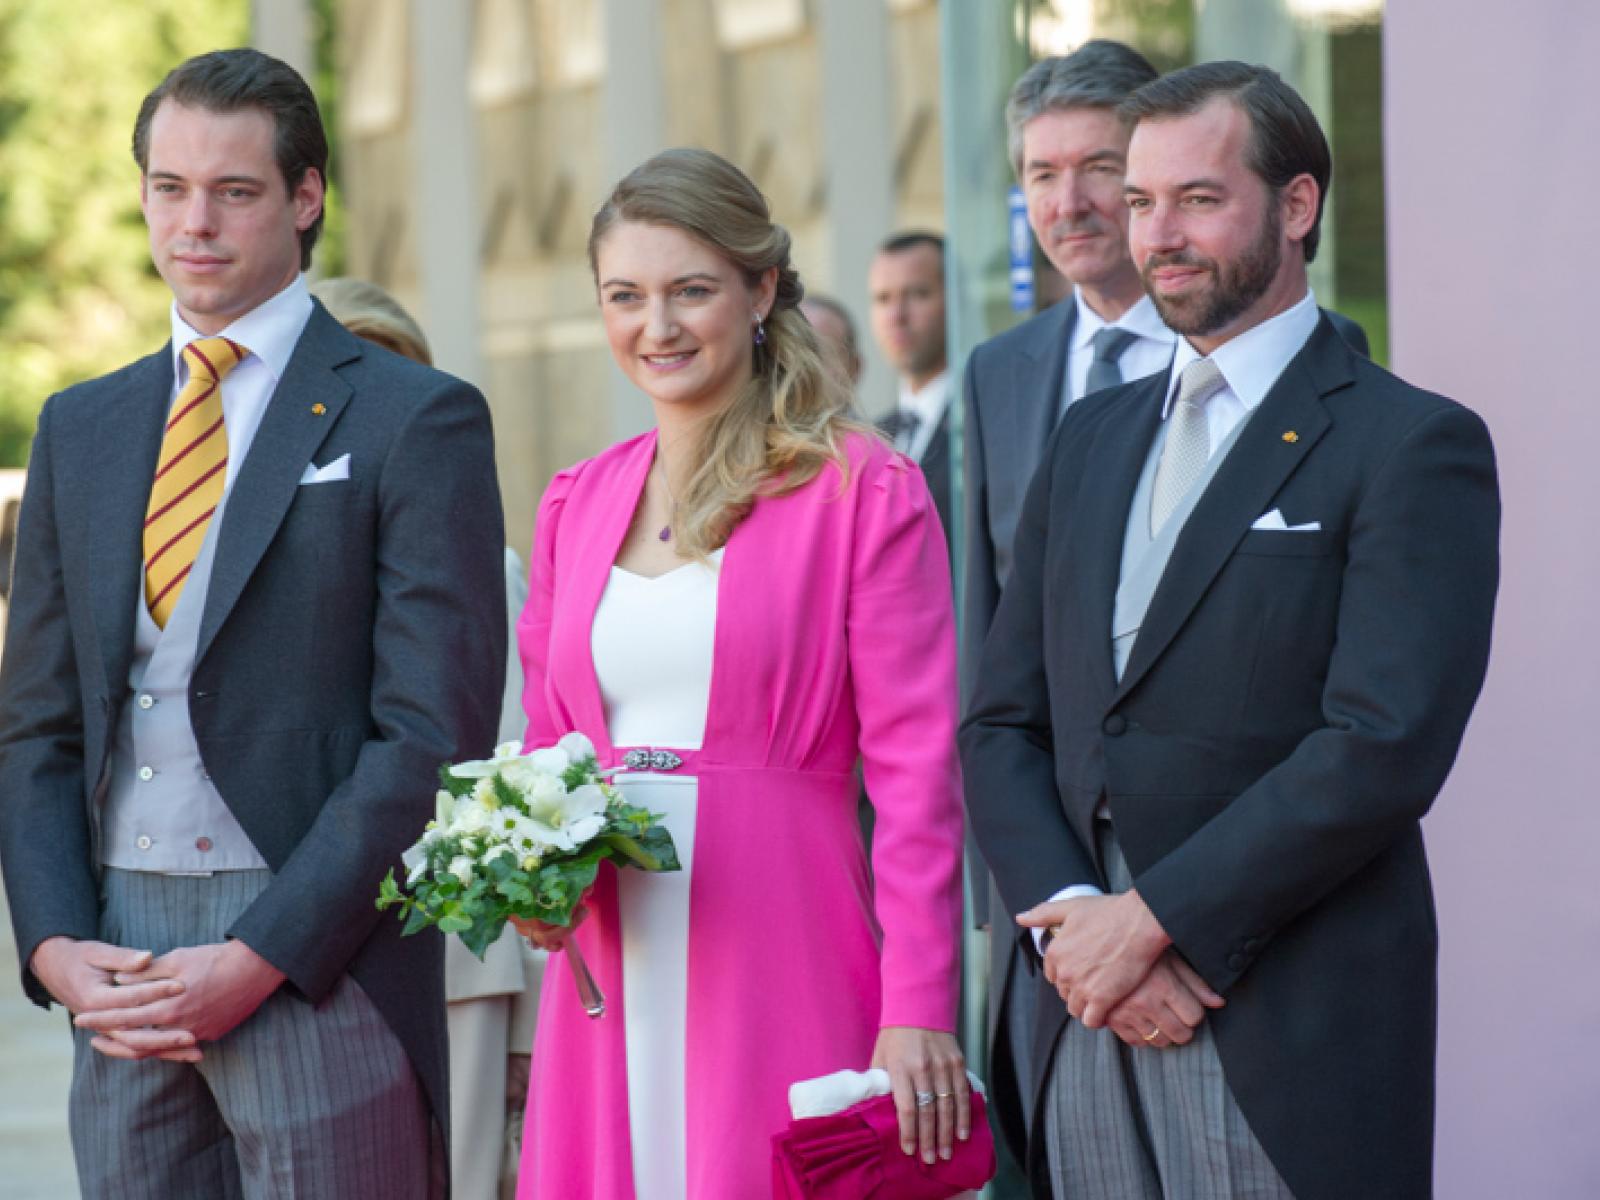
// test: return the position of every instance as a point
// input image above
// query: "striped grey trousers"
(302, 1102)
(1147, 1124)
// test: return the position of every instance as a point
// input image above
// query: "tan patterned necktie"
(189, 474)
(1188, 447)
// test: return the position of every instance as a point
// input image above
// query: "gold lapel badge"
(1291, 436)
(319, 408)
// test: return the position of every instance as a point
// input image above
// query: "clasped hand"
(1111, 962)
(140, 1006)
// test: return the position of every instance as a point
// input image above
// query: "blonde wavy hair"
(369, 312)
(790, 421)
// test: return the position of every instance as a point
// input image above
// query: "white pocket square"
(1274, 520)
(338, 469)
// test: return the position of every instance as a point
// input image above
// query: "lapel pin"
(319, 408)
(1289, 436)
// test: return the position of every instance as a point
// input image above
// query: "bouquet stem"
(589, 994)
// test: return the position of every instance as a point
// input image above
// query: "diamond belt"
(651, 760)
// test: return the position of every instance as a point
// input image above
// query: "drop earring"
(760, 336)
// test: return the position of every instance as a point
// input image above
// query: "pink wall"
(1492, 131)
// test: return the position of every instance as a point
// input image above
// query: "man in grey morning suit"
(1247, 620)
(218, 730)
(1068, 147)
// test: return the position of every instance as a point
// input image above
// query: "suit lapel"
(1040, 382)
(1120, 450)
(1254, 472)
(304, 407)
(120, 471)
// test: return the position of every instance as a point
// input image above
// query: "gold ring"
(944, 1095)
(1153, 1034)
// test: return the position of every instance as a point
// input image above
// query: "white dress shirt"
(1148, 354)
(270, 332)
(927, 404)
(1250, 363)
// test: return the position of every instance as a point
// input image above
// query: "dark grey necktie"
(1109, 343)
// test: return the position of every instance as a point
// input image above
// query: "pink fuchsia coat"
(834, 638)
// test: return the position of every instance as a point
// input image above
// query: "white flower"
(577, 746)
(505, 752)
(566, 820)
(416, 863)
(461, 868)
(471, 816)
(444, 804)
(552, 760)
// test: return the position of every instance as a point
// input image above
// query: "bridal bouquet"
(522, 835)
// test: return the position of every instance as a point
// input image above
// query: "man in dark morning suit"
(1068, 148)
(905, 284)
(258, 602)
(1248, 617)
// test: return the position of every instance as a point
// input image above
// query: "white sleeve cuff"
(1066, 893)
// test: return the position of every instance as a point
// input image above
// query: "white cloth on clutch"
(828, 1094)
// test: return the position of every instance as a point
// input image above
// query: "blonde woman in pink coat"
(736, 607)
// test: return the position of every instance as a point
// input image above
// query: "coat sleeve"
(901, 633)
(1007, 740)
(533, 626)
(1411, 648)
(980, 587)
(438, 640)
(44, 822)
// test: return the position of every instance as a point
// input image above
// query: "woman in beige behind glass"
(493, 1003)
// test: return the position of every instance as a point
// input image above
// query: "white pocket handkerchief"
(1274, 520)
(338, 469)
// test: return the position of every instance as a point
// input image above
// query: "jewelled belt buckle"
(651, 760)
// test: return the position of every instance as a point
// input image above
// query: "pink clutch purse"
(856, 1155)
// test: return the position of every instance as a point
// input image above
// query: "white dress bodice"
(652, 644)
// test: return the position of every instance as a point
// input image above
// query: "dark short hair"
(899, 243)
(1098, 74)
(227, 81)
(1285, 139)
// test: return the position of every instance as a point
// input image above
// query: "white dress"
(652, 645)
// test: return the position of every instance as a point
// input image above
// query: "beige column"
(633, 118)
(858, 146)
(282, 28)
(445, 156)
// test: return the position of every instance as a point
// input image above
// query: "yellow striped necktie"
(189, 474)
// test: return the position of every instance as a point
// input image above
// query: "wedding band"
(924, 1099)
(944, 1095)
(1153, 1034)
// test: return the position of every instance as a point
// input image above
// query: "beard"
(1236, 284)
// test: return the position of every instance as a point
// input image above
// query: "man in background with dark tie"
(258, 602)
(1248, 618)
(906, 287)
(1068, 146)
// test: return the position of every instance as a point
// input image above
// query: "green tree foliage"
(78, 294)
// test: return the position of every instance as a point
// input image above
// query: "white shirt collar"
(269, 331)
(928, 401)
(1142, 319)
(1252, 362)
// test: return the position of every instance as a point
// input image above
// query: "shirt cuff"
(1066, 893)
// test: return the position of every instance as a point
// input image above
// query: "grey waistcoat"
(162, 812)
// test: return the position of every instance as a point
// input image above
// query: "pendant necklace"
(666, 530)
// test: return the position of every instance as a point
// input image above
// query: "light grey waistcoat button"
(144, 841)
(147, 773)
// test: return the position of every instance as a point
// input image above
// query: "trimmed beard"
(1237, 284)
